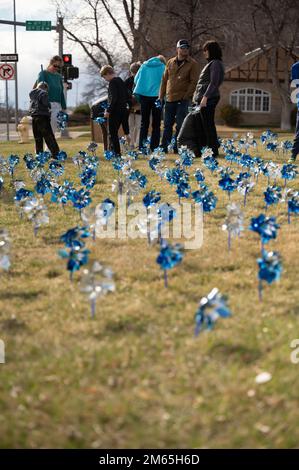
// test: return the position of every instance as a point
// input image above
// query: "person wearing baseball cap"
(178, 85)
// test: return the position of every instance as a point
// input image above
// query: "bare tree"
(98, 23)
(276, 26)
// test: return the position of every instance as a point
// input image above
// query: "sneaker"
(292, 159)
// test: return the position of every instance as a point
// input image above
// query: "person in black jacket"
(40, 110)
(118, 106)
(207, 96)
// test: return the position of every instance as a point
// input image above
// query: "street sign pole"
(7, 110)
(16, 69)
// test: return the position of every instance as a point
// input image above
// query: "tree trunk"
(285, 121)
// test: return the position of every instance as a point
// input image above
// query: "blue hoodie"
(148, 78)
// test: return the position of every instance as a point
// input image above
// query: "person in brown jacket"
(178, 84)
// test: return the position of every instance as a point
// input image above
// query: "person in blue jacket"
(147, 84)
(295, 149)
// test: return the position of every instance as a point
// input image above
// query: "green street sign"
(38, 26)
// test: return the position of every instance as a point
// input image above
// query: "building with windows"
(248, 86)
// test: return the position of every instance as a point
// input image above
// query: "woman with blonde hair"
(52, 76)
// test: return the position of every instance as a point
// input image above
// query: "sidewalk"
(14, 136)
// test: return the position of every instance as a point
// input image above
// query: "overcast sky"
(34, 48)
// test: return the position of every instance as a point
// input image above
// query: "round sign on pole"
(7, 72)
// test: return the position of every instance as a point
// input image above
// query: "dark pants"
(174, 112)
(295, 149)
(205, 127)
(115, 121)
(125, 123)
(148, 108)
(42, 131)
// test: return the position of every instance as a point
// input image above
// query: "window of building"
(251, 100)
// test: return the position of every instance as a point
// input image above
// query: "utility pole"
(60, 34)
(64, 132)
(16, 68)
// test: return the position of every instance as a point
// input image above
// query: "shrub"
(230, 115)
(82, 109)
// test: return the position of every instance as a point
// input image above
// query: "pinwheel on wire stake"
(166, 213)
(183, 189)
(150, 200)
(266, 227)
(56, 168)
(36, 211)
(226, 183)
(244, 187)
(79, 158)
(234, 222)
(272, 195)
(289, 172)
(62, 120)
(211, 163)
(286, 146)
(20, 199)
(13, 161)
(205, 198)
(186, 156)
(4, 249)
(43, 183)
(61, 194)
(210, 308)
(103, 212)
(270, 269)
(80, 199)
(92, 147)
(199, 176)
(4, 168)
(169, 257)
(293, 205)
(96, 282)
(75, 251)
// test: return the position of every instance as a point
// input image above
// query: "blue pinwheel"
(80, 199)
(76, 253)
(272, 195)
(227, 184)
(62, 120)
(266, 227)
(166, 214)
(289, 172)
(13, 161)
(210, 308)
(199, 176)
(56, 168)
(136, 175)
(293, 205)
(270, 269)
(169, 257)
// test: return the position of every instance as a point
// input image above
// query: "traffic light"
(67, 59)
(71, 73)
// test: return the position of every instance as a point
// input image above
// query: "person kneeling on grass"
(40, 110)
(118, 107)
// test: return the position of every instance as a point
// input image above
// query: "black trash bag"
(188, 135)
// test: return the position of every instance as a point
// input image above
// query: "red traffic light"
(67, 59)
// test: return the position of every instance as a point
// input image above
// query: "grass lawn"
(136, 376)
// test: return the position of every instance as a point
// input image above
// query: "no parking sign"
(7, 72)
